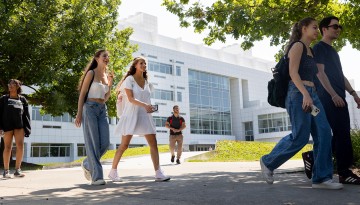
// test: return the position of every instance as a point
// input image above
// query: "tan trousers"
(173, 139)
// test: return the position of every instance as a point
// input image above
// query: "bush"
(355, 138)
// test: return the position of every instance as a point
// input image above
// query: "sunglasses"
(335, 26)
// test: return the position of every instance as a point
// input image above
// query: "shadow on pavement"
(205, 188)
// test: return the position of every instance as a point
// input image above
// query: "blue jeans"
(304, 124)
(96, 136)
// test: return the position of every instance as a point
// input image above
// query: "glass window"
(275, 122)
(206, 101)
(178, 70)
(179, 96)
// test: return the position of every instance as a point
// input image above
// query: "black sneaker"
(18, 173)
(178, 161)
(308, 159)
(350, 179)
(172, 158)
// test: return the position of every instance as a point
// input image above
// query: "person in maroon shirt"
(176, 124)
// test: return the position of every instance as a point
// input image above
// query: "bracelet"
(351, 92)
(332, 98)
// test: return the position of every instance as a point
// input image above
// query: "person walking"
(14, 123)
(94, 90)
(300, 99)
(175, 123)
(331, 86)
(136, 118)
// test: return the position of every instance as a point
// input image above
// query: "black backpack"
(278, 86)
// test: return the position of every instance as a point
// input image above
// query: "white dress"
(134, 119)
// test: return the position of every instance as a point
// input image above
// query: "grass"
(237, 151)
(109, 155)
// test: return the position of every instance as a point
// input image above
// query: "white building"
(222, 94)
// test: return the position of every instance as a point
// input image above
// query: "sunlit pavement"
(191, 183)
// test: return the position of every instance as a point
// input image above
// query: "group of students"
(316, 79)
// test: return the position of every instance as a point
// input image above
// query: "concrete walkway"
(191, 183)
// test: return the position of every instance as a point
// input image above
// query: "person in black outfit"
(331, 86)
(14, 122)
(176, 124)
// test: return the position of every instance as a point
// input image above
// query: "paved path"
(191, 183)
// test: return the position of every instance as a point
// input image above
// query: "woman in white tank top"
(94, 90)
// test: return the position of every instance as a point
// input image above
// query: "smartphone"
(155, 107)
(314, 110)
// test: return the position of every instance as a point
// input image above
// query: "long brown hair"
(18, 85)
(90, 66)
(131, 71)
(296, 32)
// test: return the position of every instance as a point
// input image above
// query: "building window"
(249, 134)
(209, 96)
(50, 150)
(160, 67)
(159, 121)
(163, 94)
(36, 115)
(274, 122)
(81, 151)
(178, 70)
(179, 96)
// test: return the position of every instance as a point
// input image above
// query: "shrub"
(355, 138)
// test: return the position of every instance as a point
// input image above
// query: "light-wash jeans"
(96, 136)
(302, 125)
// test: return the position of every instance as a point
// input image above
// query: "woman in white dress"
(136, 118)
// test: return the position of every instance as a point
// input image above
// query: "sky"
(168, 25)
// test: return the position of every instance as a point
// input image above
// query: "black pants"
(339, 121)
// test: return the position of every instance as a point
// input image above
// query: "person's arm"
(352, 92)
(167, 125)
(1, 112)
(110, 82)
(183, 125)
(137, 102)
(324, 80)
(83, 91)
(295, 55)
(26, 118)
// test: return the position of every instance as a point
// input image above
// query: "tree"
(253, 20)
(47, 44)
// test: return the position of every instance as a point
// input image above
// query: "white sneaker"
(7, 174)
(266, 173)
(329, 184)
(98, 182)
(87, 173)
(160, 176)
(113, 175)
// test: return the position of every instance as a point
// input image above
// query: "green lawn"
(236, 151)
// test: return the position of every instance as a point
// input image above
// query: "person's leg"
(342, 148)
(154, 152)
(91, 138)
(113, 174)
(8, 139)
(179, 140)
(172, 142)
(19, 135)
(125, 141)
(321, 134)
(292, 143)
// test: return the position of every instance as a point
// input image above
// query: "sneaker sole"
(87, 174)
(114, 179)
(262, 165)
(19, 176)
(162, 180)
(320, 186)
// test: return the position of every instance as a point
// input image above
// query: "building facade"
(222, 95)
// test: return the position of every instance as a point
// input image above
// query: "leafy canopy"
(47, 44)
(252, 20)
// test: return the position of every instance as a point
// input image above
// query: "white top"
(98, 90)
(134, 119)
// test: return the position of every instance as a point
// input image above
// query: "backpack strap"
(92, 79)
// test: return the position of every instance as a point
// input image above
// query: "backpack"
(278, 86)
(171, 120)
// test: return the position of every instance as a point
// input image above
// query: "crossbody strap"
(92, 79)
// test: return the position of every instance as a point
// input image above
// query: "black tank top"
(307, 68)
